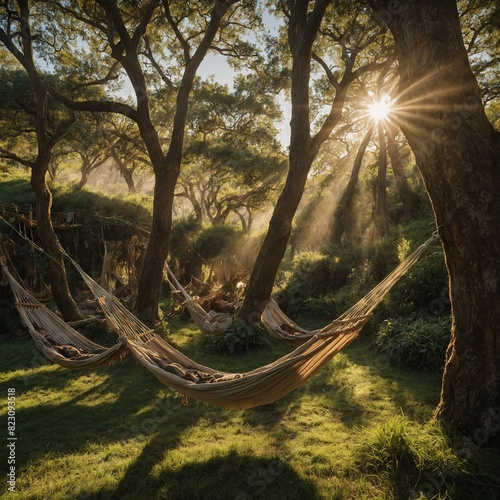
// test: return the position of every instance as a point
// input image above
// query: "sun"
(379, 109)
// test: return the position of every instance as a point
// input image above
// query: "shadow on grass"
(110, 404)
(229, 476)
(409, 390)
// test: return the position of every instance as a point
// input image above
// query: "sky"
(215, 65)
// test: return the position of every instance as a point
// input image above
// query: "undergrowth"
(426, 462)
(240, 337)
(417, 343)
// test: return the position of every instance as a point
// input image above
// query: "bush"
(424, 288)
(183, 234)
(308, 280)
(217, 241)
(418, 343)
(240, 337)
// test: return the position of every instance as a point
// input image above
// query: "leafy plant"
(218, 240)
(415, 343)
(415, 462)
(240, 337)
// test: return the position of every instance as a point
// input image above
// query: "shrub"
(216, 241)
(424, 288)
(384, 257)
(418, 343)
(308, 280)
(240, 337)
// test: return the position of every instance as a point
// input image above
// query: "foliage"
(240, 337)
(423, 290)
(10, 320)
(184, 232)
(128, 208)
(232, 160)
(308, 279)
(415, 342)
(416, 463)
(216, 241)
(113, 425)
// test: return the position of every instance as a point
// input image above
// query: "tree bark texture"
(380, 214)
(458, 152)
(50, 243)
(166, 167)
(303, 29)
(45, 142)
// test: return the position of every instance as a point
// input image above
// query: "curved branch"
(96, 106)
(4, 153)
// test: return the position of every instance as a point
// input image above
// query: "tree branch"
(98, 106)
(4, 153)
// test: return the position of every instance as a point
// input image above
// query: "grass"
(360, 429)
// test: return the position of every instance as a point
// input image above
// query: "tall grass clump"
(414, 462)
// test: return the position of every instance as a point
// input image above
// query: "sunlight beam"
(379, 110)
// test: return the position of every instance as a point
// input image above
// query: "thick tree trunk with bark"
(47, 137)
(258, 292)
(274, 245)
(458, 153)
(151, 277)
(166, 167)
(50, 243)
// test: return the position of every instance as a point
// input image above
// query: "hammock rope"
(257, 387)
(56, 340)
(211, 322)
(282, 327)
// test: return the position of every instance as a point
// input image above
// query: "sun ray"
(379, 110)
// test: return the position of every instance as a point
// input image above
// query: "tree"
(343, 219)
(17, 37)
(84, 143)
(232, 160)
(304, 23)
(133, 36)
(411, 201)
(125, 147)
(458, 153)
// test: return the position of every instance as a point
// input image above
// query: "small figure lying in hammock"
(67, 350)
(290, 330)
(192, 374)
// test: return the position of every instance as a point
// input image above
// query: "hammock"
(258, 387)
(211, 322)
(279, 325)
(57, 341)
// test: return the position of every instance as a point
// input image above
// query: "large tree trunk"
(458, 153)
(274, 245)
(166, 167)
(45, 142)
(300, 160)
(50, 243)
(151, 276)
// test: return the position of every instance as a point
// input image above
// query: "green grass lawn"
(359, 429)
